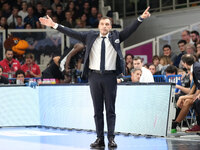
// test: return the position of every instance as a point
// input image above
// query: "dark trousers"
(103, 88)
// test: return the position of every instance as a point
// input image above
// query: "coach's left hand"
(146, 13)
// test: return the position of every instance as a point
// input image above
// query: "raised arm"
(134, 25)
(67, 31)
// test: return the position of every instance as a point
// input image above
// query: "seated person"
(185, 102)
(146, 74)
(3, 80)
(135, 76)
(31, 69)
(20, 77)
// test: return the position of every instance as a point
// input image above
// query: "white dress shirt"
(95, 54)
(146, 75)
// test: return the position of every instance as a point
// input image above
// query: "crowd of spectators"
(17, 14)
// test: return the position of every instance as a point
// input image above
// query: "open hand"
(47, 21)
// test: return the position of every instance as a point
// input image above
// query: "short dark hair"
(8, 50)
(105, 17)
(182, 41)
(171, 69)
(194, 32)
(138, 58)
(167, 46)
(129, 55)
(19, 72)
(187, 31)
(155, 57)
(188, 59)
(135, 69)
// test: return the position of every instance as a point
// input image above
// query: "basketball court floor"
(34, 138)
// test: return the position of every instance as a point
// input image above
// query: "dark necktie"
(102, 63)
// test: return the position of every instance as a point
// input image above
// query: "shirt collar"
(104, 36)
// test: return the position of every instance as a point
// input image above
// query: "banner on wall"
(144, 51)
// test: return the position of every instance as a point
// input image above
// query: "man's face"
(194, 37)
(135, 76)
(181, 47)
(137, 64)
(20, 77)
(104, 26)
(9, 55)
(166, 51)
(185, 36)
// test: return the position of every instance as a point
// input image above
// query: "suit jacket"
(89, 37)
(196, 74)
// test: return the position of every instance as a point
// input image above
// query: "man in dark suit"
(103, 61)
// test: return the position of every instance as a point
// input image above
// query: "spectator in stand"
(49, 12)
(84, 21)
(12, 19)
(186, 36)
(152, 68)
(195, 37)
(9, 64)
(167, 51)
(164, 62)
(40, 12)
(68, 22)
(71, 8)
(156, 62)
(55, 3)
(3, 80)
(31, 19)
(190, 49)
(146, 74)
(86, 10)
(129, 64)
(93, 17)
(6, 9)
(23, 12)
(19, 24)
(59, 13)
(31, 69)
(20, 77)
(3, 23)
(181, 45)
(198, 52)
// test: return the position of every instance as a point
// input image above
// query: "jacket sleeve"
(197, 76)
(72, 33)
(124, 34)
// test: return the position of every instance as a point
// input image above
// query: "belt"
(103, 72)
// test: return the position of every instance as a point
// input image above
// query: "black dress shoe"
(112, 143)
(99, 143)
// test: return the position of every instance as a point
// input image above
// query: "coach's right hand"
(47, 21)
